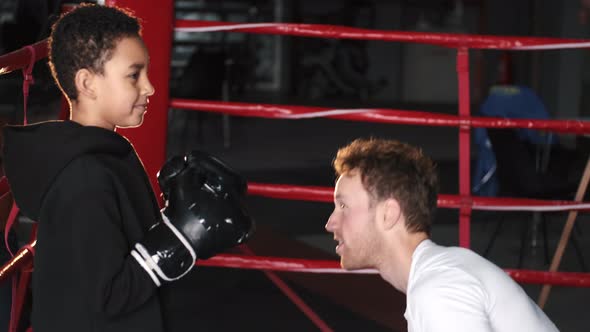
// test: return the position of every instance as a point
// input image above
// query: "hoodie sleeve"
(85, 213)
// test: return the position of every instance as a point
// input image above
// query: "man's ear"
(85, 83)
(391, 213)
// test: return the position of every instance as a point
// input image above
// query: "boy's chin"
(131, 124)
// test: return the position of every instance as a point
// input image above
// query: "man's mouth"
(339, 245)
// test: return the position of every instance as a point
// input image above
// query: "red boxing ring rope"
(438, 39)
(325, 194)
(572, 279)
(379, 115)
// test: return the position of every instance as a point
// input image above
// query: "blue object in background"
(512, 102)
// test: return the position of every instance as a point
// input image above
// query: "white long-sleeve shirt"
(454, 289)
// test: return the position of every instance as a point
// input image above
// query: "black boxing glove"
(204, 215)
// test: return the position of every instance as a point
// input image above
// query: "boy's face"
(123, 89)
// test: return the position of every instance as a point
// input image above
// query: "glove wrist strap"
(156, 257)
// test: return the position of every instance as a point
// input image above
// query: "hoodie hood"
(34, 155)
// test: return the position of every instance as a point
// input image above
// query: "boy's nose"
(148, 88)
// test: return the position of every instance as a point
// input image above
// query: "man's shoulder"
(449, 260)
(434, 276)
(444, 282)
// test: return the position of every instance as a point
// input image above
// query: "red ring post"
(464, 147)
(149, 140)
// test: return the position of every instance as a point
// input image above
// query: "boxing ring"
(157, 31)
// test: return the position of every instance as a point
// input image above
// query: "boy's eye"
(342, 205)
(134, 76)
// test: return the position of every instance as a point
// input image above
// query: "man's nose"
(331, 223)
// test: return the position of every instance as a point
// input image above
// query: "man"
(384, 200)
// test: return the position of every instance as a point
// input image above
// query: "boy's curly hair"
(86, 38)
(391, 169)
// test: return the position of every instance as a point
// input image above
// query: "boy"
(384, 200)
(103, 247)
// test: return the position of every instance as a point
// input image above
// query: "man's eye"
(342, 205)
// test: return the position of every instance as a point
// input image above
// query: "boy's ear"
(391, 213)
(85, 83)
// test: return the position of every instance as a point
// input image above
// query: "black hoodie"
(89, 192)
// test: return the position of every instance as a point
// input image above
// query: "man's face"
(123, 89)
(353, 223)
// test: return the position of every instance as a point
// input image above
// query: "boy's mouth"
(143, 105)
